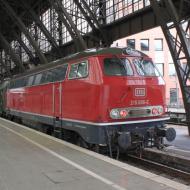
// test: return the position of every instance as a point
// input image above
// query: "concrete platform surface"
(30, 160)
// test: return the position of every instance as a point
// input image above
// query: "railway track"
(176, 170)
(177, 123)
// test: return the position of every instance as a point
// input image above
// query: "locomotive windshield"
(117, 67)
(145, 67)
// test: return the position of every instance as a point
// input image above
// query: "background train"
(111, 97)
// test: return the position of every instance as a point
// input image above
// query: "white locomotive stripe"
(83, 169)
(132, 169)
(117, 123)
(99, 124)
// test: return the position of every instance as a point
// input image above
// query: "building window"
(172, 71)
(145, 44)
(160, 67)
(159, 57)
(131, 43)
(173, 96)
(158, 44)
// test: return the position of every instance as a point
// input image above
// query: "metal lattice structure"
(176, 27)
(42, 29)
(36, 32)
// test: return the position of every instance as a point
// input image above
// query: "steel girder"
(69, 24)
(3, 65)
(91, 18)
(42, 27)
(88, 19)
(175, 29)
(23, 28)
(11, 52)
(24, 46)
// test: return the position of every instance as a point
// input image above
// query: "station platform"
(181, 144)
(32, 160)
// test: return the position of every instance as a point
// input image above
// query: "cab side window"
(38, 79)
(79, 70)
(49, 76)
(30, 80)
(46, 77)
(59, 73)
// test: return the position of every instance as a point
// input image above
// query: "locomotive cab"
(134, 92)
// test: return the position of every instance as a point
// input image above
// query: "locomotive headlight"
(118, 113)
(155, 111)
(123, 113)
(114, 114)
(160, 109)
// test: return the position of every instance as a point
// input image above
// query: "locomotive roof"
(83, 54)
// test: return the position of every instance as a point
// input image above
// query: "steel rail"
(161, 169)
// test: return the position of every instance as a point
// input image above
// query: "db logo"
(140, 92)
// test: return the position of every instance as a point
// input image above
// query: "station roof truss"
(36, 32)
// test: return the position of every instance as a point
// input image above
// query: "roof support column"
(176, 33)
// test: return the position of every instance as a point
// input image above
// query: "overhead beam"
(126, 26)
(42, 27)
(132, 24)
(92, 20)
(23, 28)
(8, 49)
(69, 24)
(3, 65)
(24, 46)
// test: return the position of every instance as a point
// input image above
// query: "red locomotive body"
(112, 96)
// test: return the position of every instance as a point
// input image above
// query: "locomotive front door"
(57, 101)
(57, 109)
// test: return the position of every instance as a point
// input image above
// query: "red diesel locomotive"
(112, 97)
